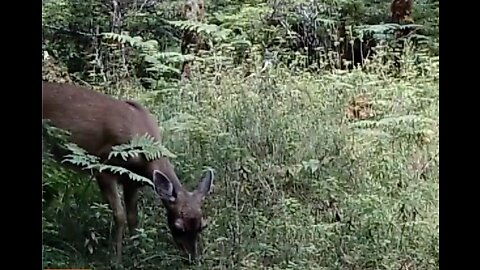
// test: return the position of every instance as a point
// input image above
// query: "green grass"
(299, 185)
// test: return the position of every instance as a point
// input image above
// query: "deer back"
(96, 121)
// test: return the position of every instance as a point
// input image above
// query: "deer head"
(184, 209)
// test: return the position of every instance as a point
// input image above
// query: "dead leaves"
(54, 71)
(360, 108)
(401, 11)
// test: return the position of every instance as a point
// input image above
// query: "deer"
(96, 122)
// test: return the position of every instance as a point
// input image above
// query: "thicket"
(318, 166)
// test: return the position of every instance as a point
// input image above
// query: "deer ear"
(206, 183)
(163, 186)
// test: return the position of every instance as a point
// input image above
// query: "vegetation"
(317, 166)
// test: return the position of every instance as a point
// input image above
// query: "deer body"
(97, 122)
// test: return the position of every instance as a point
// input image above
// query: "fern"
(156, 65)
(141, 145)
(149, 52)
(392, 121)
(136, 42)
(81, 158)
(385, 31)
(211, 31)
(51, 132)
(120, 171)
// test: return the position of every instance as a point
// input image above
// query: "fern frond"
(211, 30)
(125, 39)
(145, 145)
(121, 171)
(79, 156)
(391, 121)
(82, 159)
(51, 132)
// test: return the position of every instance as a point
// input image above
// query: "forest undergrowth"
(330, 171)
(314, 168)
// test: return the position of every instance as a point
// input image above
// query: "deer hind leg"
(131, 194)
(108, 186)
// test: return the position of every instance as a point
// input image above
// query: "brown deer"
(97, 122)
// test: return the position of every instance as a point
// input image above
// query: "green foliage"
(296, 175)
(144, 146)
(81, 158)
(149, 52)
(324, 170)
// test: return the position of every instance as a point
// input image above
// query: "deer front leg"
(108, 186)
